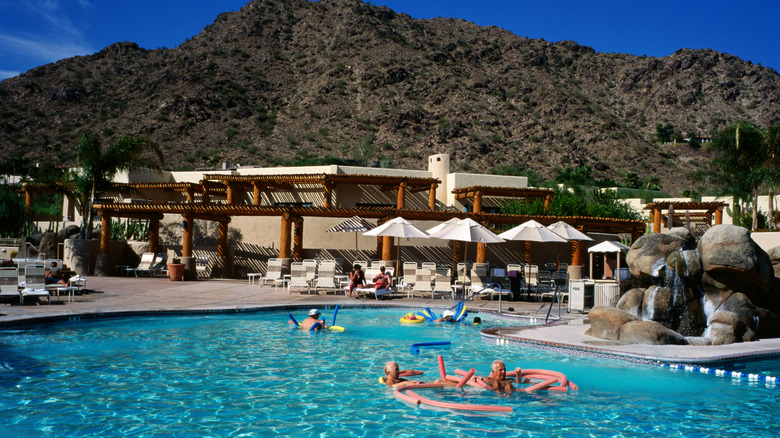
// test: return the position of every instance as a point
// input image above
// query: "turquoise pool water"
(248, 374)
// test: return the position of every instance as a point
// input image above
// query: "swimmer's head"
(391, 368)
(497, 367)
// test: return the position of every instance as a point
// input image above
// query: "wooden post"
(401, 201)
(298, 238)
(154, 235)
(256, 193)
(204, 196)
(576, 255)
(387, 248)
(432, 197)
(327, 200)
(547, 201)
(591, 266)
(190, 193)
(656, 220)
(229, 197)
(719, 216)
(186, 241)
(222, 237)
(481, 247)
(529, 251)
(457, 251)
(284, 244)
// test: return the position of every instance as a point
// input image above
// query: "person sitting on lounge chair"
(383, 280)
(357, 278)
(53, 275)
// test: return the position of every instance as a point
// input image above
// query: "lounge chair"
(482, 285)
(326, 278)
(298, 277)
(441, 284)
(311, 270)
(377, 293)
(160, 266)
(201, 267)
(422, 282)
(34, 283)
(147, 261)
(9, 284)
(274, 271)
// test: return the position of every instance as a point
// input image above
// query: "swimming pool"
(248, 374)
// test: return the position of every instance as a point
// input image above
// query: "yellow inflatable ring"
(411, 318)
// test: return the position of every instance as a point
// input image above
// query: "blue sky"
(37, 32)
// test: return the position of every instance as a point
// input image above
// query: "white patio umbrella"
(466, 230)
(355, 224)
(532, 231)
(568, 232)
(398, 227)
(444, 225)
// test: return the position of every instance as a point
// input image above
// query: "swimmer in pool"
(393, 377)
(497, 379)
(314, 318)
(446, 316)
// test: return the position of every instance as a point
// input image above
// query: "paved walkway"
(129, 295)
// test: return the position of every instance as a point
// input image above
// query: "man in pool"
(446, 316)
(497, 379)
(314, 318)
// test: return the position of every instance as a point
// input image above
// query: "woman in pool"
(393, 376)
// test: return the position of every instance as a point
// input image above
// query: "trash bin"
(515, 285)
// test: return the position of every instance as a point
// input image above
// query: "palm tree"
(772, 140)
(98, 167)
(739, 166)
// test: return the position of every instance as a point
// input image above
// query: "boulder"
(725, 327)
(649, 332)
(647, 255)
(769, 323)
(69, 232)
(48, 245)
(658, 305)
(741, 306)
(605, 322)
(684, 234)
(631, 302)
(731, 260)
(686, 263)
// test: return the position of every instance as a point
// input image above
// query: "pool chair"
(160, 266)
(201, 267)
(442, 285)
(326, 278)
(147, 261)
(34, 283)
(274, 272)
(298, 278)
(9, 285)
(311, 270)
(377, 293)
(422, 282)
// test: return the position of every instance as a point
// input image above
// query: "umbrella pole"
(398, 257)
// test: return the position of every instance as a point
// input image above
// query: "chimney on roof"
(439, 167)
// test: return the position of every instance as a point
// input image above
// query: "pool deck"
(130, 295)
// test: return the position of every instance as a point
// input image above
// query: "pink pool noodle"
(465, 378)
(442, 370)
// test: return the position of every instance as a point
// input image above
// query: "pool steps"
(771, 381)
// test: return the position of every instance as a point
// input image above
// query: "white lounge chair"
(9, 284)
(147, 261)
(326, 278)
(422, 282)
(311, 270)
(442, 284)
(160, 266)
(274, 271)
(34, 283)
(298, 277)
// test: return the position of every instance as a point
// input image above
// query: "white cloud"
(5, 74)
(42, 49)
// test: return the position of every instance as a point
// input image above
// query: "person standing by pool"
(497, 379)
(357, 278)
(314, 318)
(383, 280)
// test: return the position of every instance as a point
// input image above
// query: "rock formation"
(719, 291)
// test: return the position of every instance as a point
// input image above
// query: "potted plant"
(176, 269)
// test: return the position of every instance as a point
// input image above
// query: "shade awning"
(609, 246)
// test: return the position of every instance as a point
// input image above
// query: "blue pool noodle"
(335, 311)
(293, 319)
(315, 326)
(415, 348)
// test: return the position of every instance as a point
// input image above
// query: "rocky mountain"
(285, 81)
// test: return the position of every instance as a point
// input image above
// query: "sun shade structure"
(531, 231)
(355, 224)
(398, 227)
(605, 247)
(571, 234)
(466, 230)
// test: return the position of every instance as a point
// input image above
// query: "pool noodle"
(315, 326)
(293, 319)
(465, 378)
(442, 371)
(416, 399)
(335, 311)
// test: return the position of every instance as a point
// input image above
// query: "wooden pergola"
(291, 241)
(475, 193)
(679, 209)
